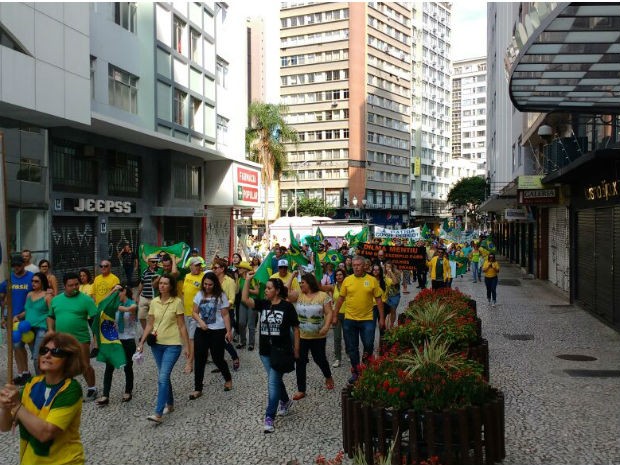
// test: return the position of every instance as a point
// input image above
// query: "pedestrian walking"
(146, 289)
(37, 307)
(247, 317)
(491, 270)
(439, 267)
(129, 261)
(474, 258)
(191, 287)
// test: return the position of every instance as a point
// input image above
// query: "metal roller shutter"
(121, 230)
(218, 232)
(616, 269)
(604, 261)
(559, 248)
(74, 242)
(585, 272)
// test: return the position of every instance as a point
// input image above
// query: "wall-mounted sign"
(86, 205)
(530, 182)
(538, 196)
(516, 214)
(603, 191)
(246, 181)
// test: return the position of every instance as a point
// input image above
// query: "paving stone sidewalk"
(551, 417)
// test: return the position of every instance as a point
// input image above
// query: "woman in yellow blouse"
(490, 269)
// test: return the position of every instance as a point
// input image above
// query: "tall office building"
(469, 96)
(123, 123)
(431, 111)
(346, 78)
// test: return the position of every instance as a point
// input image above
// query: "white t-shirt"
(211, 310)
(129, 321)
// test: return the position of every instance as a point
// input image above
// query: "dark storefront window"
(72, 169)
(124, 175)
(187, 182)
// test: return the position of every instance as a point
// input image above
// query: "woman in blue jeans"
(276, 319)
(166, 321)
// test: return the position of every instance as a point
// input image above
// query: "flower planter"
(479, 352)
(469, 435)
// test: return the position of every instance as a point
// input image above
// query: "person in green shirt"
(69, 313)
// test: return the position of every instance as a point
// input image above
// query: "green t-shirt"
(36, 312)
(72, 313)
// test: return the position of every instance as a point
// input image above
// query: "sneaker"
(336, 364)
(283, 408)
(353, 378)
(268, 426)
(91, 394)
(494, 305)
(94, 352)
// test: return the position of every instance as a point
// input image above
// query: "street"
(552, 416)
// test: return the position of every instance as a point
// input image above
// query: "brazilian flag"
(425, 232)
(178, 252)
(294, 250)
(318, 236)
(358, 238)
(110, 347)
(333, 256)
(263, 273)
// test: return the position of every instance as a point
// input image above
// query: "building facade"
(346, 79)
(128, 132)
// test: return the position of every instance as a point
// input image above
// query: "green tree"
(468, 191)
(314, 207)
(265, 140)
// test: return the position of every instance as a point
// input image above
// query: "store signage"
(530, 182)
(100, 205)
(604, 190)
(515, 214)
(538, 196)
(246, 181)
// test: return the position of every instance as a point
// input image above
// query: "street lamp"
(354, 201)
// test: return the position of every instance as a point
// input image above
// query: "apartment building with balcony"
(346, 79)
(431, 111)
(123, 122)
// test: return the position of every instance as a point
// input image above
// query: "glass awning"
(569, 62)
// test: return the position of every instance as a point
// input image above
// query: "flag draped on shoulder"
(110, 348)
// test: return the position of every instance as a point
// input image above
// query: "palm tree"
(264, 141)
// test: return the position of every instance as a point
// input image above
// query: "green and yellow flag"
(263, 273)
(104, 329)
(179, 252)
(294, 250)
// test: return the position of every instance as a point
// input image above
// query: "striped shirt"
(147, 283)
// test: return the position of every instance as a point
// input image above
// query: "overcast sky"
(469, 29)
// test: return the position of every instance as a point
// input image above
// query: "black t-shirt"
(281, 318)
(128, 258)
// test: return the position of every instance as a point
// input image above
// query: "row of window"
(404, 72)
(388, 85)
(389, 49)
(314, 38)
(310, 58)
(474, 134)
(313, 97)
(474, 112)
(472, 123)
(472, 145)
(388, 104)
(374, 197)
(472, 90)
(389, 30)
(318, 155)
(317, 116)
(471, 69)
(314, 18)
(387, 158)
(391, 123)
(391, 13)
(384, 176)
(470, 79)
(389, 141)
(326, 134)
(311, 78)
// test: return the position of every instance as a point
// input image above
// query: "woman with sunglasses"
(46, 268)
(277, 317)
(211, 312)
(126, 324)
(36, 308)
(48, 408)
(166, 324)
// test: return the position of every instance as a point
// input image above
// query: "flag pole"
(4, 258)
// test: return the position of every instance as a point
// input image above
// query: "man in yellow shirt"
(103, 283)
(439, 267)
(191, 285)
(285, 275)
(361, 292)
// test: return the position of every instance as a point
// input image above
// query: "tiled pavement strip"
(551, 417)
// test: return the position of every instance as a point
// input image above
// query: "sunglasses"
(104, 266)
(54, 352)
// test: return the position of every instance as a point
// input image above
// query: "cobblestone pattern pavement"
(551, 418)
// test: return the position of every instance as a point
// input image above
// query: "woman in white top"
(211, 308)
(314, 310)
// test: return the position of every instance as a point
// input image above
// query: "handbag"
(151, 338)
(281, 359)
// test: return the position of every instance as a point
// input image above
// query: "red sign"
(246, 176)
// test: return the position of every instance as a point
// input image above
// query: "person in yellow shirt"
(191, 286)
(285, 275)
(439, 266)
(360, 291)
(490, 269)
(103, 283)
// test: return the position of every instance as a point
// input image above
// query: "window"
(194, 46)
(125, 15)
(29, 170)
(222, 73)
(122, 89)
(187, 181)
(180, 98)
(73, 168)
(222, 130)
(177, 34)
(196, 120)
(93, 64)
(123, 174)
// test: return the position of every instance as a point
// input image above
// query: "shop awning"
(569, 59)
(497, 203)
(575, 169)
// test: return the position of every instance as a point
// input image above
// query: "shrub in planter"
(427, 320)
(422, 379)
(453, 298)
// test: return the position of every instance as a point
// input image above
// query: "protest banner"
(405, 258)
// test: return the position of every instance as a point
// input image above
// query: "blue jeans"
(354, 330)
(491, 284)
(276, 390)
(165, 358)
(475, 270)
(39, 334)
